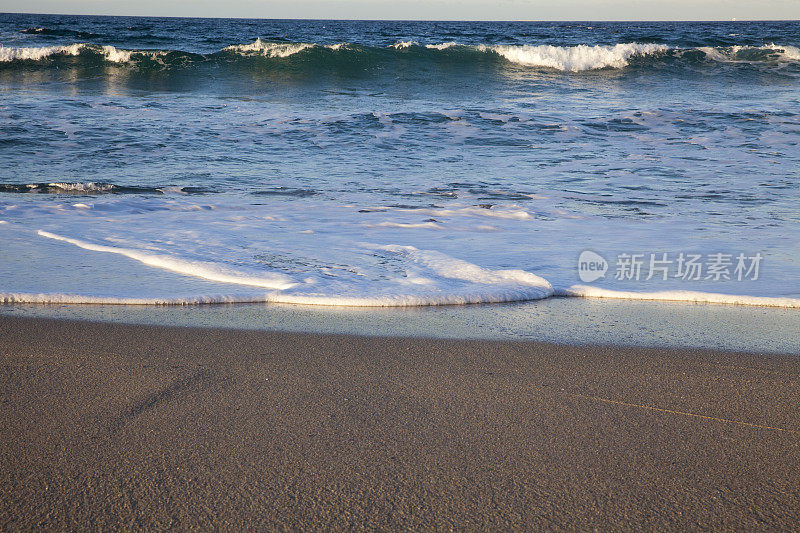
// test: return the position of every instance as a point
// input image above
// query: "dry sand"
(115, 426)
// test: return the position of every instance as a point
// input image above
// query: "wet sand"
(117, 426)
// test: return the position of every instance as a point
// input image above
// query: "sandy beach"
(134, 427)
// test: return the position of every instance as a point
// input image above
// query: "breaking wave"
(564, 58)
(272, 49)
(9, 54)
(577, 58)
(746, 54)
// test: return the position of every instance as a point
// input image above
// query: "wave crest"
(564, 58)
(39, 53)
(751, 54)
(279, 49)
(269, 49)
(576, 58)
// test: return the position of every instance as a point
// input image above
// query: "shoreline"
(563, 321)
(109, 425)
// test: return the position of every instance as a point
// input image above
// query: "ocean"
(390, 163)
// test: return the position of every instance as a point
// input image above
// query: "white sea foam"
(270, 49)
(117, 56)
(38, 53)
(587, 291)
(182, 252)
(788, 52)
(407, 225)
(720, 54)
(750, 54)
(400, 45)
(441, 46)
(197, 269)
(87, 187)
(9, 53)
(391, 300)
(566, 58)
(585, 57)
(279, 50)
(66, 298)
(429, 278)
(428, 285)
(453, 268)
(575, 58)
(506, 213)
(490, 294)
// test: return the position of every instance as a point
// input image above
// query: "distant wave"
(96, 188)
(57, 32)
(93, 188)
(558, 58)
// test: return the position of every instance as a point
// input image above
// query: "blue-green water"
(396, 163)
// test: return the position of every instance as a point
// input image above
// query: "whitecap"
(269, 49)
(574, 58)
(38, 53)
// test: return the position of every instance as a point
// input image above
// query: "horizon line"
(396, 19)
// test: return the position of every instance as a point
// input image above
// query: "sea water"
(351, 163)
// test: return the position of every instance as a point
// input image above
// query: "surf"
(311, 56)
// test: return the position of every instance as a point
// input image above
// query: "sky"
(425, 9)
